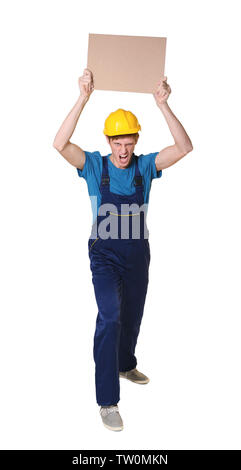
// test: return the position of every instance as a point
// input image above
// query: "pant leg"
(135, 283)
(108, 291)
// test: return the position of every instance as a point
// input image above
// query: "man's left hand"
(162, 92)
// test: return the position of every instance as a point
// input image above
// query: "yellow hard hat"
(121, 122)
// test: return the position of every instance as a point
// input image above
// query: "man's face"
(122, 150)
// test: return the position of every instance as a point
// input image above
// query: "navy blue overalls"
(120, 277)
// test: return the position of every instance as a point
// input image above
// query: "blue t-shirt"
(121, 180)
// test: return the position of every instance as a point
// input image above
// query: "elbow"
(188, 149)
(57, 147)
(60, 146)
(189, 146)
(185, 149)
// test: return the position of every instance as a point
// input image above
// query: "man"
(119, 186)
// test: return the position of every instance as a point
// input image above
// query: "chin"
(124, 165)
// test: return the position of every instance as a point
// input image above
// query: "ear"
(107, 138)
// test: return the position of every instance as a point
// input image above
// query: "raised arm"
(183, 145)
(72, 152)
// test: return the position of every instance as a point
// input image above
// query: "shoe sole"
(113, 429)
(142, 382)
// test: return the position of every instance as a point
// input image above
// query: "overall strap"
(105, 179)
(138, 178)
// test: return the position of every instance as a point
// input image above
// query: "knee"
(108, 324)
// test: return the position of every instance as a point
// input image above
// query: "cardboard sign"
(126, 63)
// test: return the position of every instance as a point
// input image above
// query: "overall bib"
(120, 277)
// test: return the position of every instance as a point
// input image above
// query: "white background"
(189, 344)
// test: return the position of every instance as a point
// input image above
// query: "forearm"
(177, 130)
(67, 128)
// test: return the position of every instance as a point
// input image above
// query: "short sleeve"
(147, 165)
(155, 173)
(91, 160)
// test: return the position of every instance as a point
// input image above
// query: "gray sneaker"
(135, 376)
(111, 417)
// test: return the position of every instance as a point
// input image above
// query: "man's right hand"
(86, 83)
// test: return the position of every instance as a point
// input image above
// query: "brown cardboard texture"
(126, 63)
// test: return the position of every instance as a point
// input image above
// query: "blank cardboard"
(126, 63)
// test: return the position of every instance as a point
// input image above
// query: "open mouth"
(123, 158)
